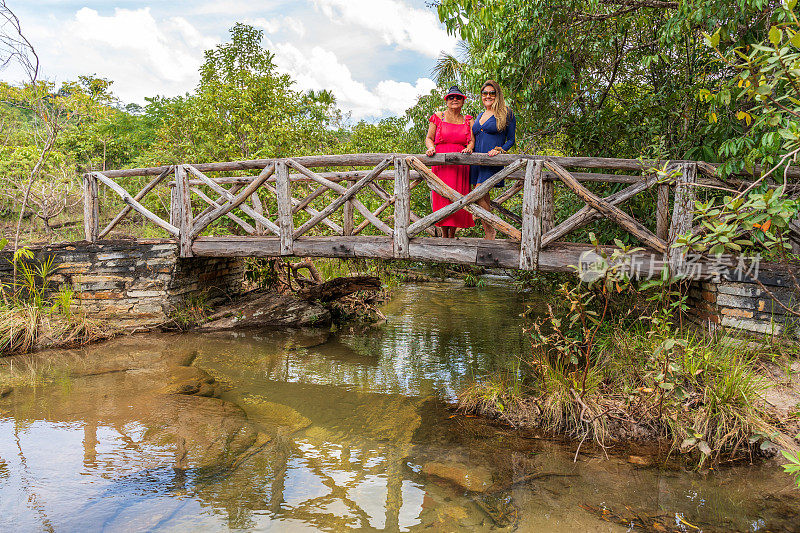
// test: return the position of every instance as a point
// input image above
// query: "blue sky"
(375, 55)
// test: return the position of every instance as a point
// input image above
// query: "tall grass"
(33, 315)
(697, 394)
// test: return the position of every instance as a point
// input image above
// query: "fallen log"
(339, 288)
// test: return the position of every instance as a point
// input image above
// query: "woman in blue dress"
(495, 132)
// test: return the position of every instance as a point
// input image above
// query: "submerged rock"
(469, 477)
(261, 410)
(268, 309)
(5, 391)
(191, 380)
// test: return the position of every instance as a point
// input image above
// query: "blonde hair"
(499, 107)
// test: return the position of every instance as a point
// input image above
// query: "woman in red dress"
(449, 132)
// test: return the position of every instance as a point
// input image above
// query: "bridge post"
(532, 194)
(682, 216)
(173, 205)
(402, 208)
(183, 211)
(282, 185)
(347, 214)
(548, 205)
(91, 207)
(662, 211)
(258, 207)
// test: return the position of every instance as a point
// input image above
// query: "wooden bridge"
(322, 206)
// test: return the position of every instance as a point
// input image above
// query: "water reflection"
(319, 431)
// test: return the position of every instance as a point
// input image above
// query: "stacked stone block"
(745, 306)
(135, 284)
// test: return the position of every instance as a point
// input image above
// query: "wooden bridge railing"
(287, 202)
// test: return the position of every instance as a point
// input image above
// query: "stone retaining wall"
(135, 284)
(745, 306)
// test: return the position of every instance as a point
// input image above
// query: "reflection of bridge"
(287, 209)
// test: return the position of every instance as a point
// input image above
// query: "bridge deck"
(502, 253)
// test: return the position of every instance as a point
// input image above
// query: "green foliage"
(261, 272)
(793, 467)
(760, 102)
(607, 79)
(758, 219)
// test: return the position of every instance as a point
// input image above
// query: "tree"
(607, 77)
(243, 109)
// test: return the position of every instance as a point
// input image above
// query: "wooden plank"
(355, 175)
(302, 204)
(347, 218)
(531, 217)
(139, 195)
(348, 160)
(498, 253)
(662, 211)
(233, 190)
(139, 208)
(202, 222)
(473, 196)
(228, 194)
(244, 224)
(184, 214)
(379, 247)
(402, 208)
(285, 221)
(91, 208)
(588, 214)
(443, 189)
(258, 207)
(510, 193)
(378, 223)
(383, 207)
(376, 247)
(682, 216)
(173, 203)
(623, 219)
(548, 206)
(420, 250)
(237, 246)
(490, 255)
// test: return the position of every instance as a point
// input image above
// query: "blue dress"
(486, 138)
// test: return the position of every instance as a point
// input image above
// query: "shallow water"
(318, 431)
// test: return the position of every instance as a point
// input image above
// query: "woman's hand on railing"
(493, 152)
(430, 151)
(466, 150)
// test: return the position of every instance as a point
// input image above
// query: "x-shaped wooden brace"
(345, 194)
(459, 201)
(232, 202)
(603, 207)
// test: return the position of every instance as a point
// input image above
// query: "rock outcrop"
(268, 310)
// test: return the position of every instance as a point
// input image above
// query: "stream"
(332, 431)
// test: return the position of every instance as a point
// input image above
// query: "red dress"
(452, 138)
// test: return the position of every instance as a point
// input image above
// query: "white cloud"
(346, 46)
(143, 56)
(275, 25)
(398, 96)
(228, 7)
(396, 22)
(321, 69)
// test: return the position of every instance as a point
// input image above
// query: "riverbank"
(715, 399)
